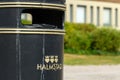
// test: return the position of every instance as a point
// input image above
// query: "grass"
(75, 59)
(26, 22)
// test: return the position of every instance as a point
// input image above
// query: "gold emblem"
(51, 63)
(52, 59)
(56, 59)
(47, 59)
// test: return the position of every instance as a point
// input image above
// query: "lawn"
(75, 59)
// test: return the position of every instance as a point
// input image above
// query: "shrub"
(77, 36)
(105, 39)
(87, 39)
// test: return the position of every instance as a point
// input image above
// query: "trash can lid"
(40, 1)
(49, 4)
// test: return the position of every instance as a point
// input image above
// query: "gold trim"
(32, 4)
(3, 3)
(18, 32)
(30, 31)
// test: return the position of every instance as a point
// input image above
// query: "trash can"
(31, 39)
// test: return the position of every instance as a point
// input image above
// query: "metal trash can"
(31, 50)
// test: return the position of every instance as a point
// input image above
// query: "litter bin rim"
(32, 5)
(31, 31)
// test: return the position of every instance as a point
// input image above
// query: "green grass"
(26, 22)
(75, 59)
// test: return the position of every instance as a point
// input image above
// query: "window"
(98, 16)
(116, 17)
(81, 14)
(107, 17)
(91, 13)
(71, 13)
(26, 18)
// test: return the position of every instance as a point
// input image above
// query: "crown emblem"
(51, 59)
(56, 59)
(47, 59)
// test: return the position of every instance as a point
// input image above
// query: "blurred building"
(97, 12)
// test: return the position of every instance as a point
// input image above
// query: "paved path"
(105, 72)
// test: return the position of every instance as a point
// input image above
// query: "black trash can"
(31, 39)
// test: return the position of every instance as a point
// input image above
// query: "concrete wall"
(95, 4)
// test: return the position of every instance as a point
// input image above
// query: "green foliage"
(106, 39)
(77, 36)
(26, 22)
(87, 39)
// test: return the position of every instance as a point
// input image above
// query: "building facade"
(97, 12)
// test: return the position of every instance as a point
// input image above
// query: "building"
(97, 12)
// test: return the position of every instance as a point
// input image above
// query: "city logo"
(51, 59)
(50, 63)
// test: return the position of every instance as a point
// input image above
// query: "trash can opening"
(42, 18)
(26, 18)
